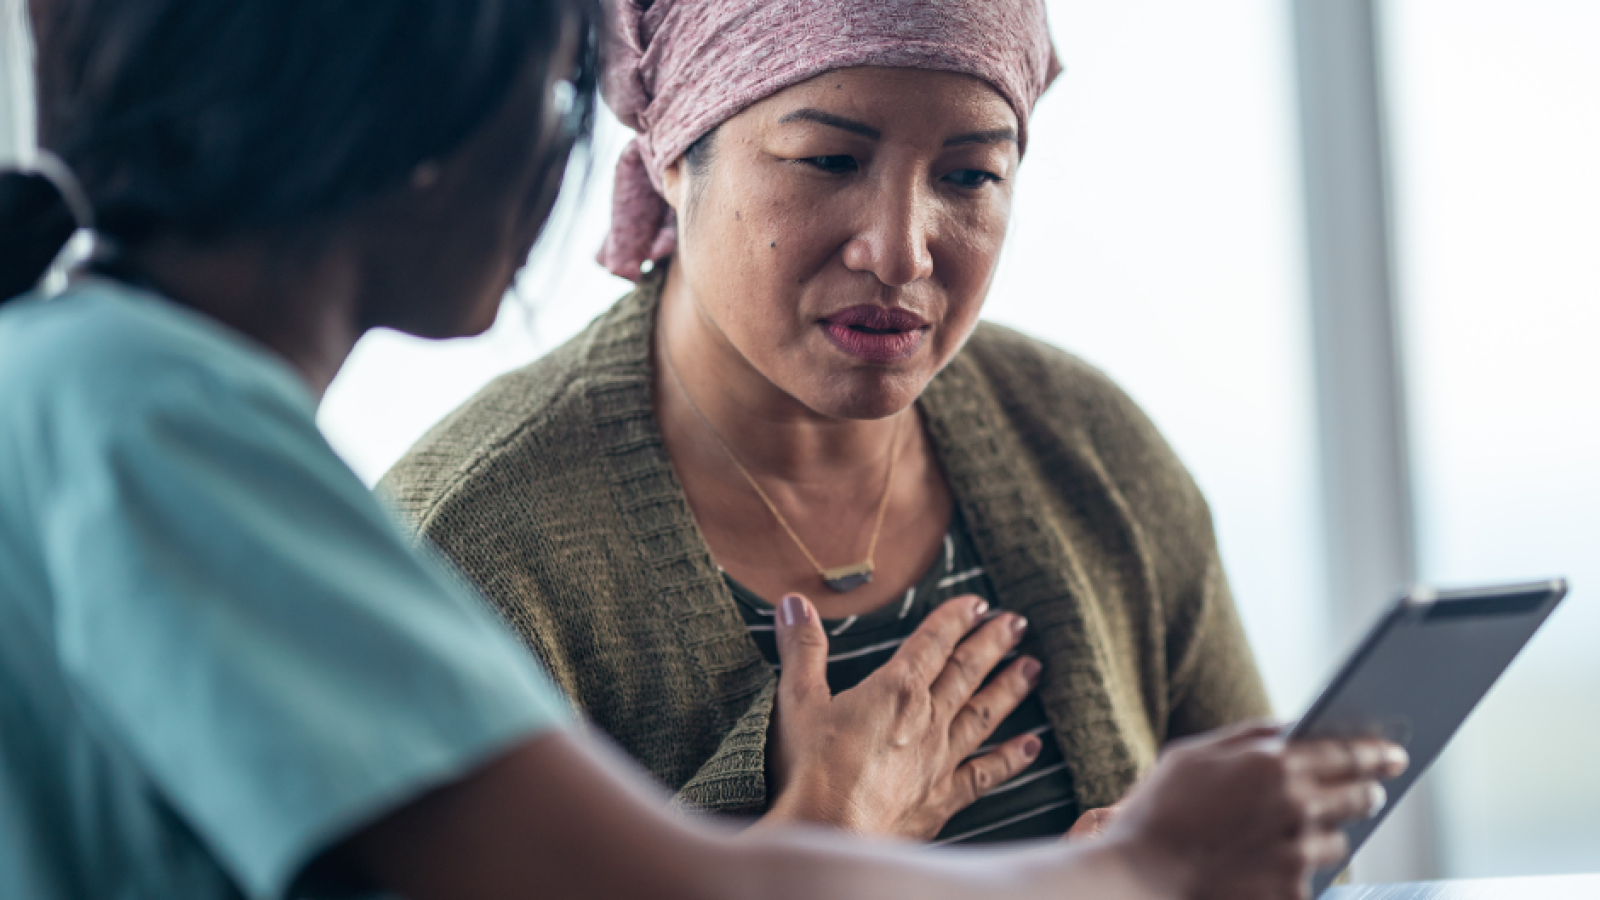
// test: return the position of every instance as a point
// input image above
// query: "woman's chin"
(868, 394)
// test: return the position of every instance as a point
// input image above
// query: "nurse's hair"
(206, 119)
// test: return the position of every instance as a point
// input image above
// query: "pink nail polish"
(1019, 625)
(1031, 668)
(1031, 747)
(980, 609)
(793, 610)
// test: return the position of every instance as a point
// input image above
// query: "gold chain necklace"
(843, 578)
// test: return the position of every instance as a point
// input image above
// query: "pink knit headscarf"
(679, 68)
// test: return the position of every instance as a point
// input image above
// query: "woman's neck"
(822, 479)
(305, 311)
(705, 385)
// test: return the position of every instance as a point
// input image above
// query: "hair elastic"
(58, 173)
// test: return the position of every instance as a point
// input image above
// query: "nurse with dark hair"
(224, 672)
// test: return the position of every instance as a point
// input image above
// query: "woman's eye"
(972, 178)
(836, 165)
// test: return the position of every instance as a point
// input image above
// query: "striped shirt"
(1038, 802)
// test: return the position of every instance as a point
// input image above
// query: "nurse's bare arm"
(561, 817)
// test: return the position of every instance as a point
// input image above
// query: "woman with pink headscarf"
(788, 522)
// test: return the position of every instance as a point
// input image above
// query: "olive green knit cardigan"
(553, 492)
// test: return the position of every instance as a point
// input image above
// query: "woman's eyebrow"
(808, 114)
(995, 136)
(821, 118)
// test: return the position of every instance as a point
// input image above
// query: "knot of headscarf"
(676, 69)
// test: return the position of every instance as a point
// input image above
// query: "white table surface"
(1555, 887)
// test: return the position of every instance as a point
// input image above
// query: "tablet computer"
(1419, 672)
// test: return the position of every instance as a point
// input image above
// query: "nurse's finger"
(1336, 760)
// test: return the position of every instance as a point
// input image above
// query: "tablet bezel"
(1420, 605)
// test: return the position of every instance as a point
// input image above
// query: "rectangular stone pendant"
(848, 578)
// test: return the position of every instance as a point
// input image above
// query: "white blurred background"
(1495, 118)
(1160, 233)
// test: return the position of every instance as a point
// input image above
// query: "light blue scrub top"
(218, 655)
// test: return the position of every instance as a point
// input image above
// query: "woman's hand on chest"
(894, 755)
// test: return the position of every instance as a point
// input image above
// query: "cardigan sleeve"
(510, 492)
(1199, 669)
(1212, 678)
(733, 781)
(1211, 675)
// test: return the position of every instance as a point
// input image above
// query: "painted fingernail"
(1018, 626)
(1030, 669)
(1031, 747)
(1380, 797)
(1396, 758)
(793, 610)
(981, 608)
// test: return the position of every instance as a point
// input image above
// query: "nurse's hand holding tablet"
(1419, 673)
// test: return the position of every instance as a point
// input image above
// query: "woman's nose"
(894, 240)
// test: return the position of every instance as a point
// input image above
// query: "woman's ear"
(672, 183)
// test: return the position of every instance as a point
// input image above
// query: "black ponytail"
(205, 119)
(35, 223)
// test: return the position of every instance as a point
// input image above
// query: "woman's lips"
(876, 334)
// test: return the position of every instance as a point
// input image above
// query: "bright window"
(1158, 234)
(1495, 112)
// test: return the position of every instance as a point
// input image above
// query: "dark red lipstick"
(876, 334)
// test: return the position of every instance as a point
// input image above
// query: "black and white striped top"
(1038, 802)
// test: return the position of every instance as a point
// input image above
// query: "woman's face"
(841, 239)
